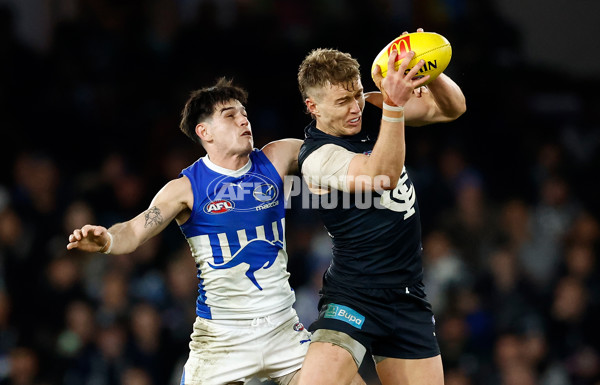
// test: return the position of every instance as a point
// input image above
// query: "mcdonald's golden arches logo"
(402, 45)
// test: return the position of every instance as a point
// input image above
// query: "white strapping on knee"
(343, 340)
(378, 359)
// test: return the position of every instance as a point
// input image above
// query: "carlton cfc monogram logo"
(218, 207)
(402, 45)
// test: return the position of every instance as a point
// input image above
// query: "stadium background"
(90, 96)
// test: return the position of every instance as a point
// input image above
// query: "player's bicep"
(357, 174)
(170, 202)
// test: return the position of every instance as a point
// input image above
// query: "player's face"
(338, 109)
(230, 129)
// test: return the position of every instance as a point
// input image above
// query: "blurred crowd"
(89, 133)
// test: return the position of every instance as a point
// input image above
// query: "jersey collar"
(226, 171)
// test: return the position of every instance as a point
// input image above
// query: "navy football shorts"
(395, 323)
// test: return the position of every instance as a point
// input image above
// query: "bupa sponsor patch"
(345, 314)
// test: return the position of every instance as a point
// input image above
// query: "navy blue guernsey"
(375, 245)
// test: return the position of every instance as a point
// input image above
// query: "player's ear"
(311, 106)
(203, 131)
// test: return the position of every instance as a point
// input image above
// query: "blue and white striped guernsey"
(236, 233)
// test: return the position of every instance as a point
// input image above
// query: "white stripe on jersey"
(225, 251)
(260, 232)
(203, 244)
(242, 237)
(275, 232)
(283, 235)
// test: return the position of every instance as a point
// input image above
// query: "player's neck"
(232, 163)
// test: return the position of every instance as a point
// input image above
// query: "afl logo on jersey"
(218, 207)
(250, 192)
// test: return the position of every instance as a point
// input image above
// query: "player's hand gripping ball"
(431, 47)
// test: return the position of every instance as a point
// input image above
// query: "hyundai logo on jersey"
(265, 192)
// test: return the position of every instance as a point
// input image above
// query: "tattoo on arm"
(153, 217)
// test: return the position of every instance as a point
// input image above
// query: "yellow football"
(431, 47)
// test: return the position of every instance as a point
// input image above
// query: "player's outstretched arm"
(171, 202)
(440, 101)
(283, 154)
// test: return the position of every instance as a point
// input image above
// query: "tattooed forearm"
(153, 217)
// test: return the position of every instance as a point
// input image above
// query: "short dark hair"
(201, 104)
(324, 66)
